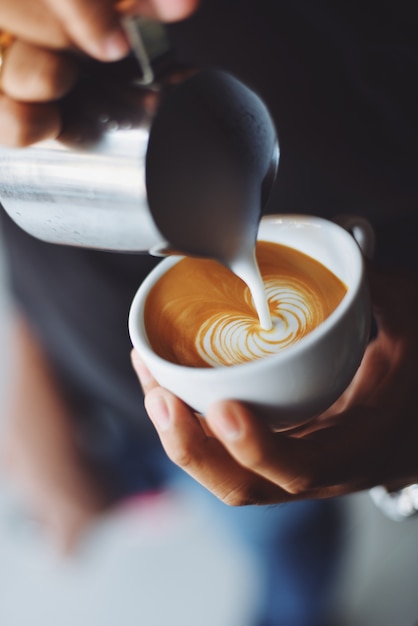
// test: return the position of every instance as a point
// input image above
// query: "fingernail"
(228, 423)
(142, 371)
(174, 10)
(114, 47)
(158, 411)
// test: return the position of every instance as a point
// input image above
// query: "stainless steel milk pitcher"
(180, 160)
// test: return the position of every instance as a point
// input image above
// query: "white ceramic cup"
(302, 380)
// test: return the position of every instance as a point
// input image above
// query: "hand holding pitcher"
(36, 68)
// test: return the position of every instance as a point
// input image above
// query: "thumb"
(164, 10)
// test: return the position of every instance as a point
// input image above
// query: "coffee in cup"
(287, 386)
(200, 314)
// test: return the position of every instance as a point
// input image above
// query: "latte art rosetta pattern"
(200, 314)
(225, 340)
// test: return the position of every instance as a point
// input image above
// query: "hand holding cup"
(293, 385)
(366, 438)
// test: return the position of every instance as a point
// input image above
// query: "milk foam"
(200, 314)
(226, 340)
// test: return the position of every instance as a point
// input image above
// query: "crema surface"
(200, 314)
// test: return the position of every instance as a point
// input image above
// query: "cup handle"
(362, 231)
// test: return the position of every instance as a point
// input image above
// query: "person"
(340, 86)
(77, 440)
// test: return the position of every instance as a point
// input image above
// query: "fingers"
(188, 443)
(325, 463)
(246, 462)
(237, 457)
(35, 71)
(93, 26)
(254, 446)
(32, 78)
(34, 22)
(202, 456)
(23, 124)
(363, 440)
(33, 74)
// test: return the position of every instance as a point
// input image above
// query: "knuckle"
(234, 499)
(256, 458)
(22, 124)
(34, 74)
(57, 77)
(248, 494)
(182, 455)
(44, 84)
(302, 484)
(14, 127)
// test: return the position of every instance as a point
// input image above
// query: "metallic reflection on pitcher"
(185, 164)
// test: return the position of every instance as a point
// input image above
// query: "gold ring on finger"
(6, 40)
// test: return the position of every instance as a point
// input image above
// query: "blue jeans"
(295, 548)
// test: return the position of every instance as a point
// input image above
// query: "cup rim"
(137, 329)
